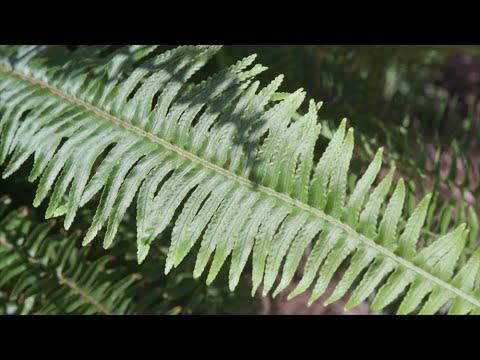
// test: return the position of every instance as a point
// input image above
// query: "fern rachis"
(238, 161)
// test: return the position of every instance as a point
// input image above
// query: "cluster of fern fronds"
(44, 270)
(226, 170)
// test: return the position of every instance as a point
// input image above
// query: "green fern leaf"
(55, 276)
(236, 164)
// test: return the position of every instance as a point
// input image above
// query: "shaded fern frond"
(229, 166)
(48, 274)
(43, 271)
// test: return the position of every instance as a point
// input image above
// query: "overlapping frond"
(46, 271)
(49, 274)
(230, 166)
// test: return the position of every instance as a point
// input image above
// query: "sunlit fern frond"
(230, 166)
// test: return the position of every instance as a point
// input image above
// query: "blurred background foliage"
(419, 102)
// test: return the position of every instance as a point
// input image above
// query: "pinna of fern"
(229, 166)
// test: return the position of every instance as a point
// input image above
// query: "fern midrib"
(250, 184)
(62, 280)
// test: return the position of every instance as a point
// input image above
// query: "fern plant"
(44, 271)
(229, 167)
(37, 267)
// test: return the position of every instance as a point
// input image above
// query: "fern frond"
(43, 271)
(57, 277)
(230, 166)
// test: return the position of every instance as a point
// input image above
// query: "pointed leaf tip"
(142, 252)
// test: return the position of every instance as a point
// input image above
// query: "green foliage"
(395, 99)
(226, 168)
(391, 95)
(43, 271)
(50, 275)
